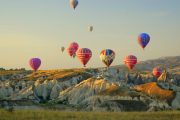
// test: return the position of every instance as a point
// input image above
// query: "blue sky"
(38, 28)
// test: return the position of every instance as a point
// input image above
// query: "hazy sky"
(38, 28)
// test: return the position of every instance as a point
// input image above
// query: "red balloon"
(74, 45)
(35, 63)
(157, 71)
(72, 49)
(84, 55)
(130, 61)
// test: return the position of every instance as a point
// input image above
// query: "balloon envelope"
(90, 28)
(74, 45)
(130, 61)
(107, 56)
(143, 39)
(72, 49)
(157, 71)
(35, 63)
(73, 3)
(71, 52)
(62, 49)
(84, 55)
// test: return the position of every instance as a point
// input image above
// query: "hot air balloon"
(72, 49)
(84, 55)
(107, 56)
(130, 61)
(143, 39)
(35, 63)
(74, 45)
(90, 28)
(62, 49)
(157, 71)
(73, 4)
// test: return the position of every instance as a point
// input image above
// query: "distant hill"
(172, 64)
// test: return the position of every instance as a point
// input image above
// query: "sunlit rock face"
(85, 89)
(50, 89)
(55, 91)
(46, 89)
(24, 94)
(152, 89)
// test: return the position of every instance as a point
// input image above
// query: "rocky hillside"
(101, 89)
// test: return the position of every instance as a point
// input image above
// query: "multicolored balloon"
(35, 63)
(130, 61)
(74, 4)
(84, 55)
(143, 39)
(157, 71)
(107, 56)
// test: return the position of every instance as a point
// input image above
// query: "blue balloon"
(143, 39)
(76, 4)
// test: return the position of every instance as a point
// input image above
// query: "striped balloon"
(157, 71)
(107, 56)
(84, 55)
(35, 63)
(143, 39)
(130, 61)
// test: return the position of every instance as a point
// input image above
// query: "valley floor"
(61, 115)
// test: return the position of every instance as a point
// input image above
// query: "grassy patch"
(59, 115)
(9, 72)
